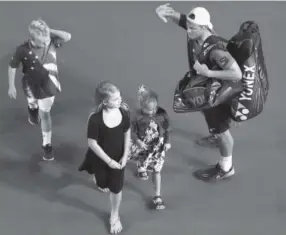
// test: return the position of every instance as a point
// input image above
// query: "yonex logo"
(196, 96)
(248, 79)
(241, 112)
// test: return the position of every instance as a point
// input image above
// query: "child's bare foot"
(115, 225)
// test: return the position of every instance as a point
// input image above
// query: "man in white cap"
(208, 56)
(165, 12)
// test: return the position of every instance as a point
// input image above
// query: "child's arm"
(59, 37)
(93, 145)
(127, 140)
(11, 79)
(92, 138)
(127, 137)
(14, 64)
(62, 35)
(135, 134)
(134, 130)
(167, 128)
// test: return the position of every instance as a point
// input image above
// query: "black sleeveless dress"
(111, 140)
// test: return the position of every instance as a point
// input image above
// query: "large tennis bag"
(195, 93)
(246, 48)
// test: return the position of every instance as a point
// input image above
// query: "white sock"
(47, 137)
(226, 163)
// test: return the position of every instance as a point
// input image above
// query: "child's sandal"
(143, 175)
(158, 202)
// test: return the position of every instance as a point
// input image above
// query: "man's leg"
(219, 122)
(45, 106)
(225, 143)
(209, 141)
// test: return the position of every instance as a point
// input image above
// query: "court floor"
(126, 43)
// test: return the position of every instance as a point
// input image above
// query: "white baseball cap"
(200, 16)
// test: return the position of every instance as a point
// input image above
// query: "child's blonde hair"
(104, 90)
(146, 95)
(38, 28)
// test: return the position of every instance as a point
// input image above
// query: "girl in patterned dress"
(150, 139)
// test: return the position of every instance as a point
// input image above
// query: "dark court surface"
(127, 44)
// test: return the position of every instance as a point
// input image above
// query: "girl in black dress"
(108, 147)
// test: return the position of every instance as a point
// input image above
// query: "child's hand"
(123, 162)
(141, 144)
(167, 146)
(114, 165)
